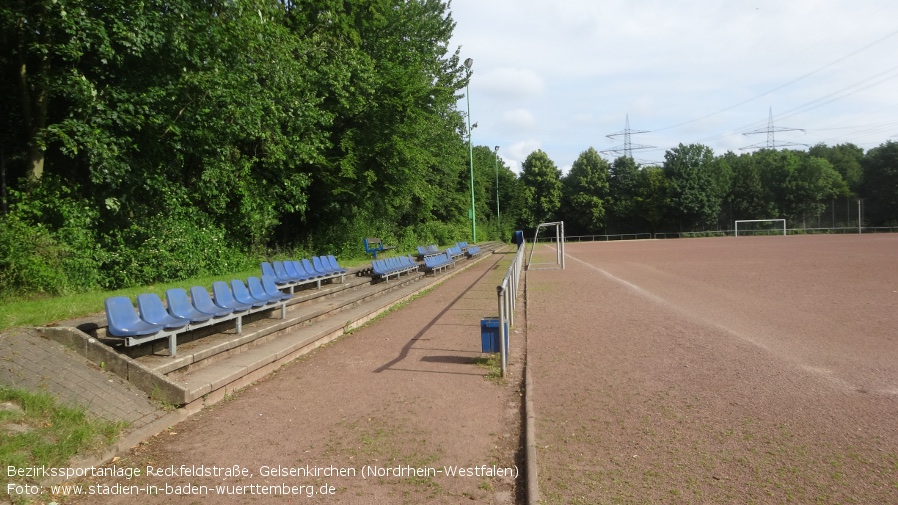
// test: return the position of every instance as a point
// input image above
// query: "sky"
(561, 75)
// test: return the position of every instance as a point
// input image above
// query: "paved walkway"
(34, 362)
(404, 397)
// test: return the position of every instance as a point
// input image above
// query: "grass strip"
(35, 430)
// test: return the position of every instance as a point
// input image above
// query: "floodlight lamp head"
(468, 63)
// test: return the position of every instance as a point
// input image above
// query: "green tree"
(814, 182)
(880, 186)
(541, 182)
(845, 159)
(693, 188)
(748, 198)
(651, 198)
(623, 186)
(585, 191)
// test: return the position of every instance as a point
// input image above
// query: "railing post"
(503, 352)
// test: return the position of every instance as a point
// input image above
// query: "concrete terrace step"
(206, 350)
(216, 360)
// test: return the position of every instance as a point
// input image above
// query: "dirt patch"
(759, 370)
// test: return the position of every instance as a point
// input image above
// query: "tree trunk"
(34, 109)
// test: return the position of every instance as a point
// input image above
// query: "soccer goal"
(559, 249)
(761, 227)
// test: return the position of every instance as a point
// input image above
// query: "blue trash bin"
(518, 237)
(489, 335)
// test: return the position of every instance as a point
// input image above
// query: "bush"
(168, 247)
(47, 242)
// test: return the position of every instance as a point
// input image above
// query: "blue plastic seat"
(268, 286)
(224, 298)
(179, 306)
(258, 292)
(333, 263)
(124, 321)
(309, 268)
(267, 269)
(203, 302)
(321, 267)
(304, 276)
(290, 267)
(280, 272)
(152, 311)
(243, 295)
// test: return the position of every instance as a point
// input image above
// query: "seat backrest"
(319, 266)
(256, 289)
(223, 295)
(290, 267)
(308, 267)
(151, 308)
(280, 270)
(179, 306)
(178, 302)
(270, 288)
(333, 262)
(120, 312)
(241, 293)
(203, 302)
(267, 269)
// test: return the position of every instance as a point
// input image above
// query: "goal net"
(747, 227)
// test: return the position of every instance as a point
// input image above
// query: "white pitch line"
(823, 373)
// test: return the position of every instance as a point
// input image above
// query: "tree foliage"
(880, 186)
(541, 182)
(585, 190)
(693, 189)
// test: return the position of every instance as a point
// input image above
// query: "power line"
(781, 86)
(770, 130)
(627, 147)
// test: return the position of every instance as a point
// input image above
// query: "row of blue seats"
(439, 262)
(472, 251)
(454, 251)
(430, 250)
(292, 273)
(384, 268)
(183, 314)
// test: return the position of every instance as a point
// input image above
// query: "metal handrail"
(507, 299)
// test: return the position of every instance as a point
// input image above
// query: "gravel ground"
(750, 370)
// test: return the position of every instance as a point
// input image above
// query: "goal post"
(757, 229)
(559, 249)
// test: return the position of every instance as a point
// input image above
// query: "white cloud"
(567, 73)
(511, 83)
(518, 120)
(517, 152)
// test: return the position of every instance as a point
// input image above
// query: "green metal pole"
(471, 156)
(498, 217)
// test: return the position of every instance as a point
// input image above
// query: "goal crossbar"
(736, 227)
(559, 250)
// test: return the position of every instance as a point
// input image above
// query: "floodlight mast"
(468, 64)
